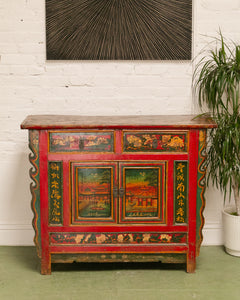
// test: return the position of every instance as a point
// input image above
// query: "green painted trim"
(200, 188)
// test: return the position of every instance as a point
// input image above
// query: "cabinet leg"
(46, 265)
(191, 265)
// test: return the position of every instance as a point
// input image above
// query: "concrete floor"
(217, 277)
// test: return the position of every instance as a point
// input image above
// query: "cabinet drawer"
(81, 141)
(155, 141)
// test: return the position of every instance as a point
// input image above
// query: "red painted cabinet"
(117, 188)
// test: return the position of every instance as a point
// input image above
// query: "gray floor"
(217, 277)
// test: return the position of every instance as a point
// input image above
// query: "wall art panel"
(118, 29)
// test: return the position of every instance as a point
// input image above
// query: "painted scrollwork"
(34, 186)
(201, 188)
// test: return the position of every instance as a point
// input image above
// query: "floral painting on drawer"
(81, 142)
(155, 142)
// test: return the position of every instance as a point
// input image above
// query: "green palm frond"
(217, 77)
(216, 81)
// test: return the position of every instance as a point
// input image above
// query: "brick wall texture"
(31, 85)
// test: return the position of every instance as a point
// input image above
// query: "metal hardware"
(115, 192)
(118, 192)
(81, 144)
(155, 144)
(121, 192)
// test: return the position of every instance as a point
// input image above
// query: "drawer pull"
(81, 144)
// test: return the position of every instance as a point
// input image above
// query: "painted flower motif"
(91, 137)
(148, 139)
(120, 238)
(102, 140)
(176, 142)
(137, 142)
(100, 239)
(166, 138)
(91, 143)
(94, 141)
(146, 237)
(35, 139)
(165, 238)
(79, 238)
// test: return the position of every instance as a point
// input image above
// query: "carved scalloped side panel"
(34, 187)
(200, 189)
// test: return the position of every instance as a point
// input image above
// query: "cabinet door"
(93, 192)
(142, 192)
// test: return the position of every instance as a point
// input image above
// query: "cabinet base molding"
(165, 258)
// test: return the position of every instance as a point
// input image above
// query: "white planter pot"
(231, 231)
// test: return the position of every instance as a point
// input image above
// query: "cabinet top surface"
(115, 122)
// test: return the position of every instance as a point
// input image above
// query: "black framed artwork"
(119, 29)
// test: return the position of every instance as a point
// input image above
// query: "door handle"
(115, 192)
(120, 192)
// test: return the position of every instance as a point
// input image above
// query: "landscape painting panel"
(141, 192)
(94, 192)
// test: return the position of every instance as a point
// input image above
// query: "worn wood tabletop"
(114, 122)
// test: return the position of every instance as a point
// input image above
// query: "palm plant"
(217, 82)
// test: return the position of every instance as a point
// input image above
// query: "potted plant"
(217, 83)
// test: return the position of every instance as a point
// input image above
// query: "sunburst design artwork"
(119, 29)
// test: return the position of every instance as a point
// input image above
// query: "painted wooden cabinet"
(127, 188)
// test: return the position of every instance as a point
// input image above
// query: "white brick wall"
(30, 85)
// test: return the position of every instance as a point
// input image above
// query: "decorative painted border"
(200, 188)
(81, 141)
(34, 187)
(164, 141)
(180, 191)
(117, 238)
(55, 190)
